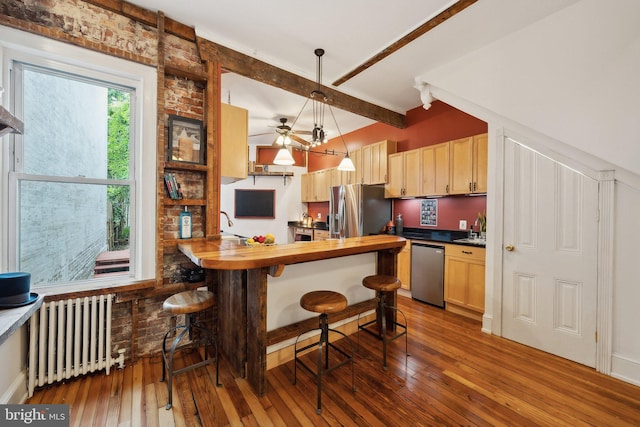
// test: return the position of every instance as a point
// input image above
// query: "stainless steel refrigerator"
(358, 210)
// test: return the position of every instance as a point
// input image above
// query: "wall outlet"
(463, 224)
(319, 215)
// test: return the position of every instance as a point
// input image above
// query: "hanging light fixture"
(319, 101)
(284, 157)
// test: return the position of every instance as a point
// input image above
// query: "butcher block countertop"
(224, 255)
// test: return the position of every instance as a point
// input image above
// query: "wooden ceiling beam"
(263, 72)
(394, 47)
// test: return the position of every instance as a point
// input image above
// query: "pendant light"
(319, 101)
(284, 157)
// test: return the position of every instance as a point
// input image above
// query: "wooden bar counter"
(240, 276)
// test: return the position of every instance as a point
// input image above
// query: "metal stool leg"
(322, 362)
(167, 361)
(383, 327)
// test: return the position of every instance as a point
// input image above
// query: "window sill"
(60, 292)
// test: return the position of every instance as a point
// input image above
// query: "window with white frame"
(77, 180)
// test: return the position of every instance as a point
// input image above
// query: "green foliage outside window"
(118, 162)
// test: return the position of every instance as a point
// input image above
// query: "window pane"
(74, 127)
(64, 227)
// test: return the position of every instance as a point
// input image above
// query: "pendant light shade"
(346, 164)
(284, 158)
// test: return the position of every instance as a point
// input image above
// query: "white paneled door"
(549, 255)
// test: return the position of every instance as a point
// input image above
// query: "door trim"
(492, 319)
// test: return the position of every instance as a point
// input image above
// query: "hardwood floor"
(455, 375)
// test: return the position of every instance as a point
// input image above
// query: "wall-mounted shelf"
(184, 202)
(184, 166)
(284, 175)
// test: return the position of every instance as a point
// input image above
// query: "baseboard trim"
(625, 369)
(17, 391)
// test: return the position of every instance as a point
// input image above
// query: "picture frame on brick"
(186, 140)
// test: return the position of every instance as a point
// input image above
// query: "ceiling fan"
(286, 135)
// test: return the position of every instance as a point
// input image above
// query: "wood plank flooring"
(455, 375)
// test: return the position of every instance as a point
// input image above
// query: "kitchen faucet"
(229, 222)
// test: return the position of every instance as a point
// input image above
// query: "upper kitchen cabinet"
(404, 174)
(435, 170)
(306, 188)
(315, 186)
(234, 148)
(480, 162)
(374, 161)
(355, 177)
(468, 165)
(338, 177)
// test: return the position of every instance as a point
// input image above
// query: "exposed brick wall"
(107, 31)
(184, 98)
(85, 24)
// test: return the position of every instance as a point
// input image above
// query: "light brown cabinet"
(404, 266)
(320, 234)
(435, 170)
(234, 147)
(480, 162)
(339, 177)
(355, 177)
(374, 162)
(315, 186)
(404, 174)
(306, 187)
(468, 165)
(461, 165)
(464, 272)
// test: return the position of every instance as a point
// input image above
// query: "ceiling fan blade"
(298, 139)
(260, 134)
(303, 132)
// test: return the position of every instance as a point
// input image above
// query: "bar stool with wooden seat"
(188, 303)
(383, 284)
(323, 302)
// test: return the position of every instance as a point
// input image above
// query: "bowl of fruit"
(260, 240)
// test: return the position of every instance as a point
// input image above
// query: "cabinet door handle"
(447, 189)
(469, 186)
(467, 252)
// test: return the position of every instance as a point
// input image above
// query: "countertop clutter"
(316, 225)
(460, 237)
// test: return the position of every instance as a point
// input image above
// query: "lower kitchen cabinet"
(464, 272)
(320, 234)
(404, 266)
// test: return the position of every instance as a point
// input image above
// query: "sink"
(475, 241)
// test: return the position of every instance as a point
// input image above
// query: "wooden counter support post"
(387, 264)
(257, 329)
(232, 318)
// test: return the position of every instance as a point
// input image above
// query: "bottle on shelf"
(185, 224)
(399, 225)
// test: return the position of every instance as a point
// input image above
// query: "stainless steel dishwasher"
(427, 273)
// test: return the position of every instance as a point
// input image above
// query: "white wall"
(570, 83)
(626, 295)
(288, 205)
(13, 379)
(572, 76)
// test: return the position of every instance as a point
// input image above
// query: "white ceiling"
(287, 32)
